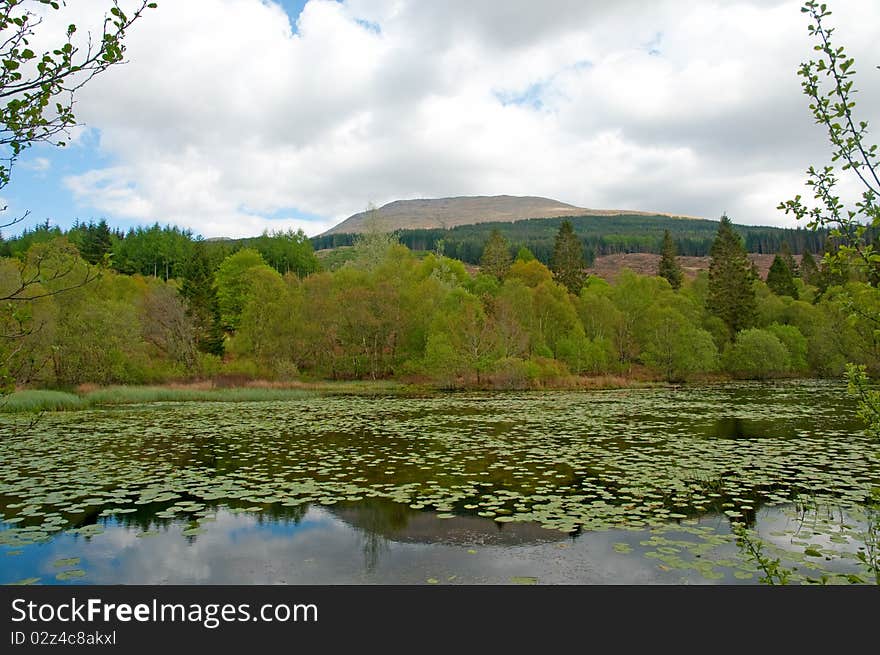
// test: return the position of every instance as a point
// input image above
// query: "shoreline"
(90, 396)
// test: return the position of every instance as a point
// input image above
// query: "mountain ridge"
(428, 213)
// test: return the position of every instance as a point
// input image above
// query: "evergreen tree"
(668, 267)
(809, 270)
(200, 292)
(731, 294)
(788, 258)
(97, 242)
(780, 279)
(568, 259)
(496, 256)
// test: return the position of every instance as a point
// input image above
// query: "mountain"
(621, 233)
(446, 213)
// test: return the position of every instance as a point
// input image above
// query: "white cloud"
(227, 118)
(37, 164)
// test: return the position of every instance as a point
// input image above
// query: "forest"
(601, 235)
(155, 305)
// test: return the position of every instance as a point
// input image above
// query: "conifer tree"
(96, 243)
(496, 256)
(788, 258)
(780, 278)
(731, 294)
(668, 267)
(568, 259)
(808, 268)
(200, 292)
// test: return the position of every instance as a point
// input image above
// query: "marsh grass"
(123, 395)
(41, 401)
(34, 400)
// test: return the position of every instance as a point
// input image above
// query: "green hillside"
(601, 235)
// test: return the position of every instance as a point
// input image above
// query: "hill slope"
(600, 235)
(467, 210)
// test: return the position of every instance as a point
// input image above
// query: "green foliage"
(448, 272)
(731, 294)
(371, 247)
(233, 285)
(780, 278)
(41, 401)
(828, 83)
(568, 259)
(496, 256)
(788, 258)
(869, 398)
(96, 242)
(674, 346)
(286, 252)
(601, 235)
(668, 267)
(199, 289)
(524, 255)
(268, 326)
(39, 86)
(401, 315)
(531, 273)
(460, 341)
(795, 343)
(809, 270)
(753, 549)
(756, 355)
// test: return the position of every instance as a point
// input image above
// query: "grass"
(85, 396)
(33, 400)
(42, 401)
(122, 395)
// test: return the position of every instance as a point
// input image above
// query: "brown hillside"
(610, 266)
(469, 210)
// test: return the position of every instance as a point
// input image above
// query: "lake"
(643, 486)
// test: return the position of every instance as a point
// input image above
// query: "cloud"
(229, 119)
(37, 164)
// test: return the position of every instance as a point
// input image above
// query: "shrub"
(795, 343)
(514, 373)
(757, 355)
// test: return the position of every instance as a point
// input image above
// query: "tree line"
(599, 235)
(392, 312)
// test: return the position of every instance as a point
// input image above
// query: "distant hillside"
(469, 210)
(610, 266)
(601, 235)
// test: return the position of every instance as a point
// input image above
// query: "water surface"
(628, 486)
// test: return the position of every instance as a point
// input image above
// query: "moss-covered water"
(618, 486)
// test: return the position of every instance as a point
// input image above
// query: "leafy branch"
(753, 548)
(39, 89)
(828, 83)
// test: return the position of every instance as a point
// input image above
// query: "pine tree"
(780, 279)
(96, 243)
(568, 259)
(496, 256)
(200, 292)
(731, 294)
(788, 258)
(808, 269)
(668, 267)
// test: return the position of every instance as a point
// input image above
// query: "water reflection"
(735, 427)
(374, 542)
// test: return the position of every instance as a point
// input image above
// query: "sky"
(236, 116)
